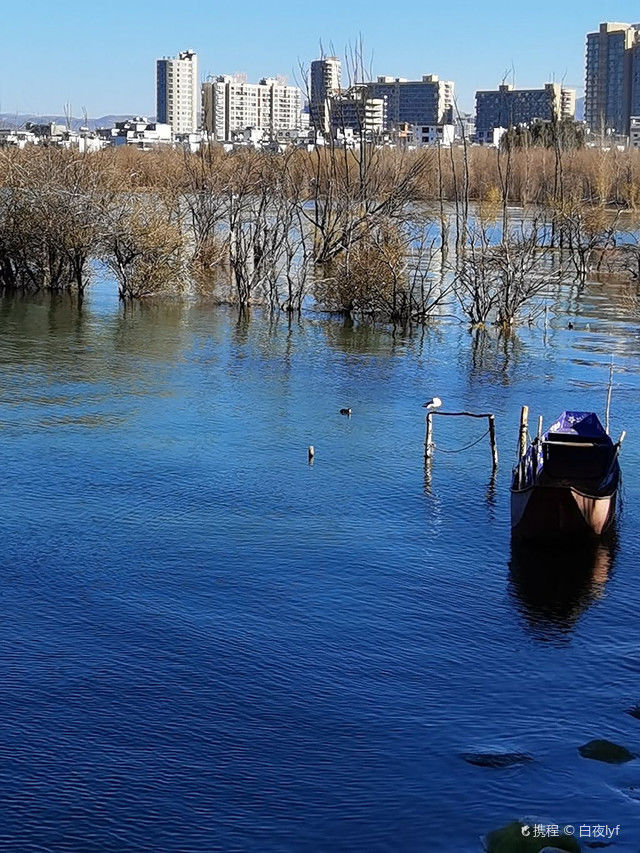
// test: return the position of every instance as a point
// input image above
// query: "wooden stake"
(312, 453)
(429, 446)
(428, 441)
(492, 439)
(524, 429)
(609, 390)
(540, 428)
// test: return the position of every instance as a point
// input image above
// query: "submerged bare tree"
(205, 200)
(389, 274)
(506, 265)
(142, 236)
(497, 280)
(589, 233)
(353, 185)
(48, 212)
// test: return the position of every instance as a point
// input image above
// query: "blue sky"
(102, 56)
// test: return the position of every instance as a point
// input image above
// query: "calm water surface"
(208, 644)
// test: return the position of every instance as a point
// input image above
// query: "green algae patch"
(509, 839)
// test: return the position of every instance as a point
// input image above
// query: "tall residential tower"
(325, 84)
(177, 92)
(612, 79)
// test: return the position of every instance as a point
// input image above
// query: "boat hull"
(555, 512)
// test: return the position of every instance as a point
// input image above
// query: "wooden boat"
(566, 481)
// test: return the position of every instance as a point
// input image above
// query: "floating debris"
(605, 750)
(496, 759)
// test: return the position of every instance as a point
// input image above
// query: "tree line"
(393, 233)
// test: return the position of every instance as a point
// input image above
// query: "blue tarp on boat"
(559, 461)
(583, 424)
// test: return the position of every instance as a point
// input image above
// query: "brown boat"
(566, 481)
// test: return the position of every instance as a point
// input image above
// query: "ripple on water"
(209, 643)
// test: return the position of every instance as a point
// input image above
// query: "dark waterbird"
(346, 412)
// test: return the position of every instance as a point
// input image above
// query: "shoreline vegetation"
(394, 234)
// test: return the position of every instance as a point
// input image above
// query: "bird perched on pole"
(434, 403)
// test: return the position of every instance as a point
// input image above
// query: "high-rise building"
(429, 101)
(611, 69)
(355, 111)
(324, 85)
(177, 92)
(634, 107)
(508, 107)
(230, 105)
(568, 103)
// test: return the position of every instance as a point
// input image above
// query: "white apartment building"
(634, 132)
(138, 131)
(231, 105)
(177, 92)
(434, 134)
(17, 138)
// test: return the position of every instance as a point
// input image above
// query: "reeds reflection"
(553, 585)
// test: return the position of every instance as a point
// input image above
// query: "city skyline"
(64, 66)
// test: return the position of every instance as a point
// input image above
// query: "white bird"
(434, 403)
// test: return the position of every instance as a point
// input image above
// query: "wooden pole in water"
(428, 441)
(494, 444)
(524, 428)
(540, 428)
(609, 390)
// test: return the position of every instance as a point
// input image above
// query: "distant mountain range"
(17, 120)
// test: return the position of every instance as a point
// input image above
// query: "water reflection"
(495, 353)
(554, 585)
(490, 494)
(351, 337)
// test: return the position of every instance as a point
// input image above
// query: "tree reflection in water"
(553, 585)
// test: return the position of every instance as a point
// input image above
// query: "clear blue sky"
(102, 55)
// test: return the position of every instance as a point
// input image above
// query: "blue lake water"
(208, 644)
